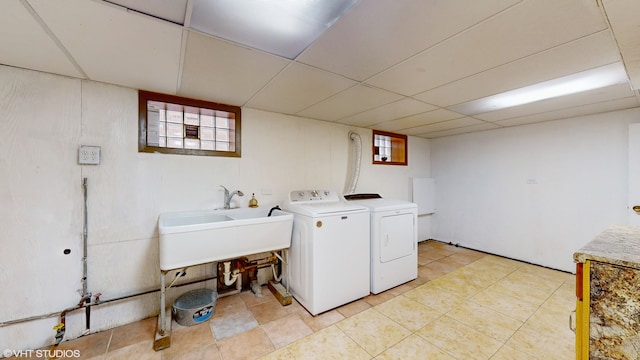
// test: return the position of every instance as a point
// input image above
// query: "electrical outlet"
(89, 155)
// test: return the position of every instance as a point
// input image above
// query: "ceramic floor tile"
(459, 340)
(280, 354)
(227, 305)
(189, 339)
(428, 273)
(541, 345)
(139, 351)
(321, 321)
(133, 333)
(435, 297)
(486, 321)
(250, 299)
(353, 308)
(459, 284)
(286, 330)
(529, 279)
(408, 313)
(375, 299)
(505, 304)
(373, 331)
(442, 265)
(414, 347)
(509, 353)
(401, 289)
(250, 344)
(328, 343)
(232, 324)
(268, 311)
(525, 292)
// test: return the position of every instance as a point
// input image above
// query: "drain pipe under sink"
(229, 277)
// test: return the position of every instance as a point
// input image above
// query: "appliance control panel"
(307, 196)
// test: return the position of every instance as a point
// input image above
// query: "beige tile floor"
(464, 305)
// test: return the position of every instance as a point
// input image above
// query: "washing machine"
(328, 261)
(394, 240)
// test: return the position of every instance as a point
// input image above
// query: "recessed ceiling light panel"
(281, 27)
(596, 78)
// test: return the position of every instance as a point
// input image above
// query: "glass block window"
(170, 124)
(389, 148)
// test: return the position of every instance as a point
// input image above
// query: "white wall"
(535, 193)
(43, 121)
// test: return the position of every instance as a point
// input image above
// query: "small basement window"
(389, 148)
(176, 125)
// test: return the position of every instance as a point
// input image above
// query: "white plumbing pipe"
(229, 278)
(355, 166)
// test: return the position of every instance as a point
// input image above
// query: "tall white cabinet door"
(634, 175)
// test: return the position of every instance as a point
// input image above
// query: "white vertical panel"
(424, 195)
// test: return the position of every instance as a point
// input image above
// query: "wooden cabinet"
(607, 321)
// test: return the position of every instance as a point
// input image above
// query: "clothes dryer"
(394, 240)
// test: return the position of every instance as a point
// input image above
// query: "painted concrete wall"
(535, 193)
(45, 118)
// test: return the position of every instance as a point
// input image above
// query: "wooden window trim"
(398, 142)
(144, 96)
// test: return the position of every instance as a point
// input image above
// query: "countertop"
(619, 245)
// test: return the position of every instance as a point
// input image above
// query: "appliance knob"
(314, 193)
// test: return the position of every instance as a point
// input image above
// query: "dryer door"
(397, 236)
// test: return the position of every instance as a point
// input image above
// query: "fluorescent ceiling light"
(583, 81)
(281, 27)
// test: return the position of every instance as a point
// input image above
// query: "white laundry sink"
(196, 237)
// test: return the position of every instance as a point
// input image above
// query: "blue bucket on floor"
(194, 307)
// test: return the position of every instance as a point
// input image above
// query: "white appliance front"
(329, 257)
(394, 255)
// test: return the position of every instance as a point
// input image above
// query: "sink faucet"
(228, 196)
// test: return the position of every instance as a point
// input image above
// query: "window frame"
(398, 142)
(145, 96)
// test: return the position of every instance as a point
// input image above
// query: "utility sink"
(190, 238)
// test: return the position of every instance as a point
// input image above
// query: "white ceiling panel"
(430, 117)
(623, 15)
(394, 110)
(231, 74)
(611, 105)
(579, 55)
(376, 34)
(298, 87)
(461, 130)
(522, 30)
(568, 101)
(114, 45)
(444, 125)
(391, 65)
(351, 101)
(172, 10)
(25, 43)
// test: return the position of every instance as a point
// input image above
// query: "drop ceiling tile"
(297, 87)
(376, 34)
(522, 30)
(623, 15)
(460, 130)
(425, 118)
(116, 46)
(591, 108)
(26, 44)
(351, 101)
(579, 55)
(397, 109)
(443, 125)
(587, 97)
(171, 10)
(225, 72)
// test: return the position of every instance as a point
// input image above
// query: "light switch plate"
(89, 155)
